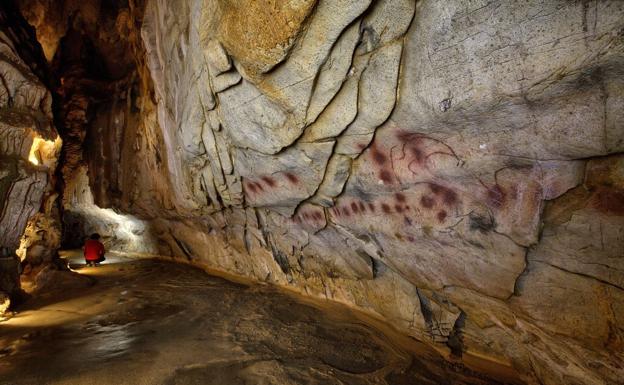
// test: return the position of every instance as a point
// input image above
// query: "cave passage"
(310, 192)
(145, 321)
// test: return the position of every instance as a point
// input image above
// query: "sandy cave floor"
(145, 321)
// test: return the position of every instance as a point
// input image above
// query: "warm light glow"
(34, 156)
(43, 150)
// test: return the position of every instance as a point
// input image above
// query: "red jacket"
(93, 250)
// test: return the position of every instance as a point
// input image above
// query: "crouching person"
(94, 250)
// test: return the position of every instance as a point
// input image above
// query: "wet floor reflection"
(153, 322)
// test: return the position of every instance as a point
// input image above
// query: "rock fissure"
(582, 275)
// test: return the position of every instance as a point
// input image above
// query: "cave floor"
(145, 321)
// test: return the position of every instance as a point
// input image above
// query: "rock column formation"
(453, 167)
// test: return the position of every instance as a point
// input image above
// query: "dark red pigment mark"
(381, 160)
(435, 188)
(426, 201)
(354, 207)
(292, 178)
(609, 201)
(361, 206)
(408, 221)
(414, 143)
(400, 197)
(449, 197)
(386, 208)
(254, 187)
(345, 211)
(409, 137)
(398, 208)
(315, 215)
(251, 187)
(496, 196)
(385, 176)
(371, 206)
(379, 157)
(269, 181)
(418, 154)
(410, 238)
(441, 215)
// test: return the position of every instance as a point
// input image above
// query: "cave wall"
(453, 167)
(29, 148)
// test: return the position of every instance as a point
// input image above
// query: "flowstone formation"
(452, 167)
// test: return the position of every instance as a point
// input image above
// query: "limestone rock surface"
(28, 146)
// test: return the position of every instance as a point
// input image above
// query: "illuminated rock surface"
(452, 167)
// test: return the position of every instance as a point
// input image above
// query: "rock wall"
(453, 167)
(29, 148)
